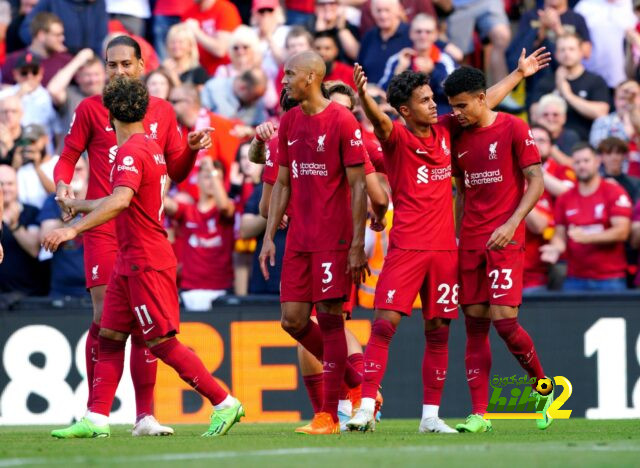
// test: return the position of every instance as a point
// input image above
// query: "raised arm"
(58, 84)
(381, 122)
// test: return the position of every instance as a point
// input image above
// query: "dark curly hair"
(465, 80)
(127, 99)
(401, 86)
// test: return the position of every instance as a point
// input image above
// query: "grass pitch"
(396, 443)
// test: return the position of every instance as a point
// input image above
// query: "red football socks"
(376, 355)
(106, 375)
(478, 362)
(143, 367)
(521, 345)
(190, 368)
(91, 349)
(313, 384)
(434, 364)
(334, 360)
(311, 338)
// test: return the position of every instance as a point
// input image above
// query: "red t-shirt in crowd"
(374, 150)
(222, 16)
(303, 6)
(207, 249)
(172, 7)
(636, 218)
(419, 172)
(561, 172)
(341, 72)
(491, 160)
(142, 239)
(91, 131)
(535, 270)
(634, 159)
(593, 214)
(317, 149)
(270, 172)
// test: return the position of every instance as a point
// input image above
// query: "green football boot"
(83, 429)
(475, 423)
(223, 420)
(547, 420)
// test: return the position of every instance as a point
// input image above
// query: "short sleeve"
(392, 140)
(128, 168)
(599, 91)
(559, 211)
(351, 144)
(229, 18)
(368, 165)
(270, 173)
(283, 134)
(581, 28)
(523, 144)
(619, 201)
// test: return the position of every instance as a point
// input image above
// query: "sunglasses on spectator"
(263, 11)
(29, 71)
(240, 46)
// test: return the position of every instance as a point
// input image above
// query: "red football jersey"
(636, 218)
(142, 239)
(491, 160)
(634, 158)
(207, 248)
(270, 172)
(593, 214)
(91, 131)
(535, 270)
(374, 150)
(317, 149)
(419, 172)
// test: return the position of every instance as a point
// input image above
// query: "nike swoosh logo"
(474, 377)
(440, 378)
(292, 142)
(148, 330)
(462, 154)
(366, 371)
(324, 290)
(150, 361)
(571, 212)
(108, 129)
(419, 151)
(449, 309)
(496, 296)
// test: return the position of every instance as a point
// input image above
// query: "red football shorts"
(100, 249)
(347, 307)
(314, 276)
(491, 276)
(146, 303)
(431, 273)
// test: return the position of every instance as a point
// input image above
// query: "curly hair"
(127, 99)
(401, 86)
(465, 80)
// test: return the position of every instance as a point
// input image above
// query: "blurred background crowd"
(220, 62)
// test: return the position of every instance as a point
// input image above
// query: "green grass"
(396, 443)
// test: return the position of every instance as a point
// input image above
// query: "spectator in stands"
(207, 227)
(538, 229)
(551, 113)
(132, 14)
(20, 273)
(159, 83)
(613, 152)
(425, 56)
(10, 127)
(298, 40)
(193, 116)
(267, 19)
(558, 178)
(36, 102)
(67, 263)
(388, 37)
(607, 22)
(326, 46)
(166, 14)
(488, 17)
(330, 17)
(592, 225)
(85, 22)
(13, 40)
(586, 93)
(89, 74)
(47, 43)
(212, 21)
(541, 28)
(410, 8)
(244, 52)
(183, 61)
(35, 175)
(619, 123)
(634, 240)
(237, 97)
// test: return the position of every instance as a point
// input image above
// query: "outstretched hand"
(360, 79)
(53, 239)
(200, 139)
(535, 62)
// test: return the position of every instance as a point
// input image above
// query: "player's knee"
(500, 36)
(292, 325)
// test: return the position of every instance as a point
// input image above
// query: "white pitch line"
(186, 456)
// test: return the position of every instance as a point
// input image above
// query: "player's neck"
(487, 118)
(588, 188)
(314, 104)
(124, 131)
(422, 131)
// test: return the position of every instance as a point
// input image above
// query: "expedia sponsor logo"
(486, 177)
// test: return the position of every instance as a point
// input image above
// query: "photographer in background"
(35, 166)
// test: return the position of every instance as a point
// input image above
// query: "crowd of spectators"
(220, 64)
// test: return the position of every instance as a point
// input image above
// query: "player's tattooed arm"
(104, 210)
(277, 206)
(502, 236)
(358, 266)
(527, 66)
(258, 148)
(381, 122)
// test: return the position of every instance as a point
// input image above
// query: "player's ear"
(404, 111)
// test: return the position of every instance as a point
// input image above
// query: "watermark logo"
(522, 401)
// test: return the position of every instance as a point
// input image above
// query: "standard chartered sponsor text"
(313, 169)
(486, 177)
